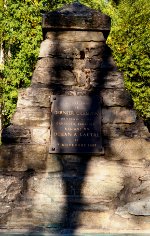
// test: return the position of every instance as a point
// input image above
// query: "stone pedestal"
(64, 193)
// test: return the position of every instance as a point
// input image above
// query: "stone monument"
(50, 179)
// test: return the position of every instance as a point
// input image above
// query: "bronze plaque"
(75, 124)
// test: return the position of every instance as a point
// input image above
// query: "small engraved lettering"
(76, 124)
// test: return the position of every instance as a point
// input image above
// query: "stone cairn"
(72, 193)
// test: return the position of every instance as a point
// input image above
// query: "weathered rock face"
(0, 118)
(84, 193)
(76, 16)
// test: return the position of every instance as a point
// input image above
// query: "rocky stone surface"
(75, 16)
(118, 115)
(73, 193)
(0, 120)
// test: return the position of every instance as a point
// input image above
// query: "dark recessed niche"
(82, 55)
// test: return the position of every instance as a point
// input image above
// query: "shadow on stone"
(61, 193)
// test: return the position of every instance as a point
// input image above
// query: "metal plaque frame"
(75, 124)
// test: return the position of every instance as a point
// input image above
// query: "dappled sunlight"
(59, 184)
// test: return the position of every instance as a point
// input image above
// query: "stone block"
(143, 189)
(34, 218)
(100, 220)
(34, 97)
(108, 63)
(43, 77)
(97, 183)
(76, 16)
(108, 222)
(107, 79)
(118, 97)
(46, 186)
(75, 36)
(48, 63)
(20, 218)
(16, 134)
(113, 79)
(101, 184)
(116, 115)
(63, 77)
(10, 191)
(32, 116)
(5, 210)
(40, 135)
(127, 150)
(61, 64)
(10, 188)
(137, 208)
(128, 225)
(19, 134)
(76, 50)
(91, 64)
(133, 130)
(54, 163)
(23, 157)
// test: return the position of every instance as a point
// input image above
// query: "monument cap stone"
(76, 16)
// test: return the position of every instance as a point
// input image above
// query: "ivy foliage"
(21, 34)
(1, 65)
(130, 42)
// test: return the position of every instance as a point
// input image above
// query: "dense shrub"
(130, 43)
(21, 34)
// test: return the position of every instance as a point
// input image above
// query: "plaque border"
(52, 149)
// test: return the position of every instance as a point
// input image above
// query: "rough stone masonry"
(64, 193)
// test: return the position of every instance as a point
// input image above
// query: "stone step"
(69, 232)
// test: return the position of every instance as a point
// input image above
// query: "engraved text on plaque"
(75, 124)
